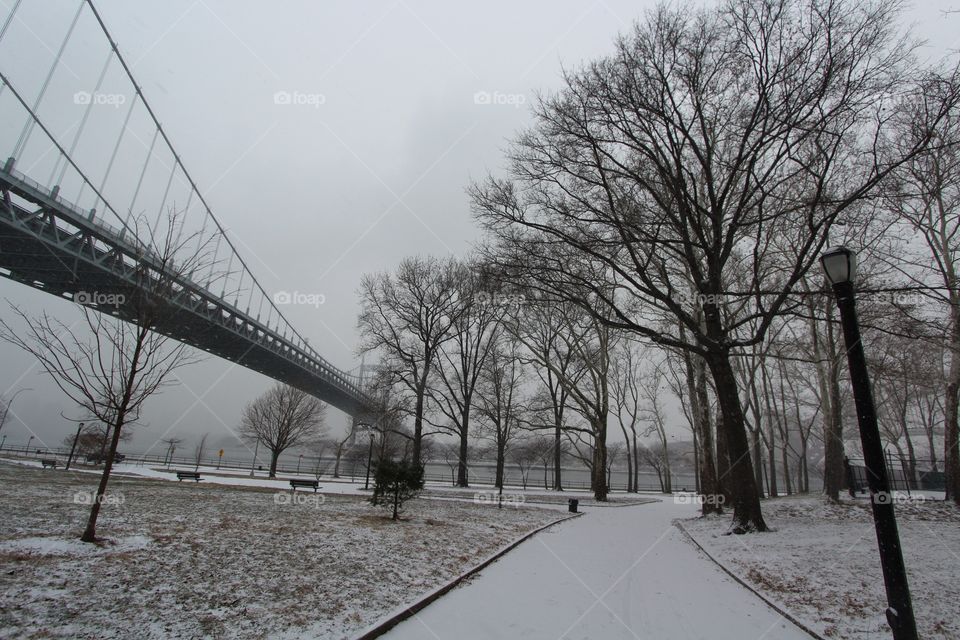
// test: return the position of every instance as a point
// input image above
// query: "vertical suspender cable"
(113, 155)
(31, 118)
(3, 31)
(143, 172)
(83, 123)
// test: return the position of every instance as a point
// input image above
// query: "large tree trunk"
(747, 515)
(599, 476)
(723, 461)
(418, 421)
(951, 435)
(274, 457)
(463, 477)
(708, 483)
(501, 451)
(557, 456)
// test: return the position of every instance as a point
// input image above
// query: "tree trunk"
(951, 405)
(274, 457)
(600, 461)
(501, 450)
(757, 460)
(90, 533)
(709, 480)
(723, 461)
(833, 475)
(463, 479)
(747, 515)
(418, 420)
(557, 457)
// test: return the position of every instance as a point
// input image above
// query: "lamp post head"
(840, 265)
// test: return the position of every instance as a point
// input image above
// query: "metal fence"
(903, 475)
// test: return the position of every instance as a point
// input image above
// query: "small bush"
(395, 483)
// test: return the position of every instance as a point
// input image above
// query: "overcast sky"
(393, 108)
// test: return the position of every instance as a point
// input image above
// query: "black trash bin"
(574, 503)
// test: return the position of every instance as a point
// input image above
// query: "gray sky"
(368, 163)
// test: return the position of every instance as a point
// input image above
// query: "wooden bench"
(49, 463)
(188, 475)
(295, 482)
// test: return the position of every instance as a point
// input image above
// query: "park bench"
(49, 463)
(294, 483)
(188, 475)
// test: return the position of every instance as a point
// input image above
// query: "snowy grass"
(207, 560)
(822, 565)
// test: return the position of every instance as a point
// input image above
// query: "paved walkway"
(616, 572)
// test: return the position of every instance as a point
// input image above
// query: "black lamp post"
(840, 265)
(73, 448)
(366, 484)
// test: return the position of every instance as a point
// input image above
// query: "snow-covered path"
(616, 572)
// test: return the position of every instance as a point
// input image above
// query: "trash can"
(574, 503)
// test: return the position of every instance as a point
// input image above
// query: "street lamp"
(29, 440)
(840, 265)
(299, 460)
(254, 463)
(73, 448)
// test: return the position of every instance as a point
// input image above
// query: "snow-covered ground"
(821, 563)
(190, 560)
(614, 573)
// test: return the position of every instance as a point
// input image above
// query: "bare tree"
(110, 367)
(282, 418)
(198, 451)
(94, 439)
(583, 375)
(461, 359)
(651, 390)
(707, 143)
(627, 398)
(407, 317)
(925, 194)
(498, 399)
(542, 325)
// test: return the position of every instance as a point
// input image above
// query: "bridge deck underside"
(35, 251)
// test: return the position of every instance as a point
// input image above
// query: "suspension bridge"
(88, 185)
